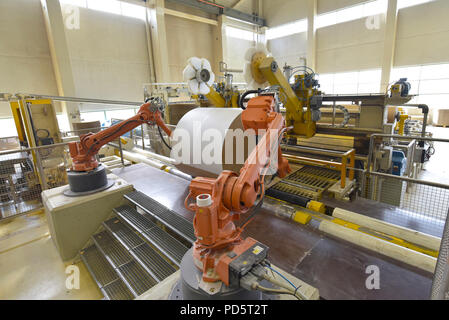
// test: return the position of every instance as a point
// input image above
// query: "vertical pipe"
(344, 162)
(440, 284)
(143, 138)
(121, 150)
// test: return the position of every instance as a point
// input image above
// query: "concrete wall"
(289, 49)
(423, 33)
(25, 61)
(349, 46)
(109, 56)
(186, 39)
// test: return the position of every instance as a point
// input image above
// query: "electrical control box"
(242, 263)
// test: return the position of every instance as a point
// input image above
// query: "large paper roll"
(208, 141)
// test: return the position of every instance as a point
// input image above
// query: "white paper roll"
(208, 141)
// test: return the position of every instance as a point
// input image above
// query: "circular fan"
(253, 57)
(199, 76)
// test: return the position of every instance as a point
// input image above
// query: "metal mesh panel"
(416, 187)
(427, 203)
(25, 173)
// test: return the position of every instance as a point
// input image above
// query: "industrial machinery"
(87, 175)
(200, 79)
(302, 99)
(220, 252)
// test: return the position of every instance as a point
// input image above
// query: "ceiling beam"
(212, 8)
(188, 16)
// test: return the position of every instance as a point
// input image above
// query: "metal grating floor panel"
(308, 182)
(127, 237)
(112, 249)
(168, 245)
(138, 278)
(131, 216)
(117, 290)
(168, 217)
(100, 269)
(153, 262)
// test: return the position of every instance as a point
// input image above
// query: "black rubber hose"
(292, 198)
(242, 98)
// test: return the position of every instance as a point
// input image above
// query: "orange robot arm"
(214, 225)
(83, 152)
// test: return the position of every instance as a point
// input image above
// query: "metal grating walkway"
(117, 290)
(113, 251)
(110, 284)
(136, 277)
(171, 247)
(163, 241)
(157, 266)
(127, 237)
(171, 219)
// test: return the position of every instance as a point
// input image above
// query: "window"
(240, 34)
(429, 82)
(370, 8)
(94, 116)
(7, 128)
(360, 82)
(63, 122)
(410, 3)
(120, 114)
(110, 6)
(287, 29)
(76, 3)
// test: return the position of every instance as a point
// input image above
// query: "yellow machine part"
(302, 217)
(216, 99)
(316, 206)
(295, 117)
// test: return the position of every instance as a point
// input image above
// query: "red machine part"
(214, 225)
(83, 152)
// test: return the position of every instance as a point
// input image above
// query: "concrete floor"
(30, 266)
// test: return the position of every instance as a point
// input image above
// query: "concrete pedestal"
(73, 220)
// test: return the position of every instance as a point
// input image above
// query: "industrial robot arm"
(83, 152)
(219, 241)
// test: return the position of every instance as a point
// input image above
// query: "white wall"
(186, 39)
(350, 46)
(25, 61)
(423, 34)
(282, 11)
(109, 57)
(289, 49)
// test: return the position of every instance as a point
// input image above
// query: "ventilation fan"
(199, 76)
(253, 57)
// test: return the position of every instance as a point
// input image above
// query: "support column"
(159, 40)
(219, 34)
(389, 44)
(59, 51)
(311, 33)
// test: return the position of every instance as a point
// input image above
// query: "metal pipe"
(440, 283)
(74, 99)
(34, 148)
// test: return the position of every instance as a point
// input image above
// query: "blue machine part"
(399, 163)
